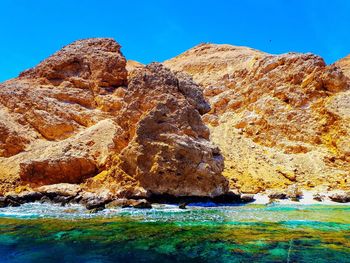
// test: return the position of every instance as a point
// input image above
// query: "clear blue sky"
(153, 30)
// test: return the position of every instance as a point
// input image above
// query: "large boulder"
(78, 118)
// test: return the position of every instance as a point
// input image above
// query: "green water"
(251, 233)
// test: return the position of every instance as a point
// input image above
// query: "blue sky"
(152, 30)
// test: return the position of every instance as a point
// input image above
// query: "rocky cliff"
(86, 123)
(78, 118)
(279, 120)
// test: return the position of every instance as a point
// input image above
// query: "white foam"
(306, 199)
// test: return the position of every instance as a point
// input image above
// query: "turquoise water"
(250, 233)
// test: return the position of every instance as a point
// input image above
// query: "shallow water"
(250, 233)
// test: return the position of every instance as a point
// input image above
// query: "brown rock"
(319, 197)
(344, 64)
(278, 119)
(75, 119)
(294, 193)
(124, 203)
(62, 189)
(92, 61)
(340, 197)
(277, 195)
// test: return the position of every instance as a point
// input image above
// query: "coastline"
(56, 205)
(307, 198)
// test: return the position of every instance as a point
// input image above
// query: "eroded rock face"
(344, 64)
(164, 143)
(77, 118)
(170, 142)
(279, 120)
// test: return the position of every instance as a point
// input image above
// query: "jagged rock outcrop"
(344, 64)
(79, 118)
(279, 120)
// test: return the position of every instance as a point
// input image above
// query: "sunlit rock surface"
(279, 120)
(78, 118)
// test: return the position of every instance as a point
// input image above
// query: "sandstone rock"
(80, 118)
(97, 61)
(344, 64)
(278, 119)
(132, 67)
(62, 189)
(170, 152)
(53, 111)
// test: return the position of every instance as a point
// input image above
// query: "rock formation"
(279, 120)
(78, 118)
(85, 125)
(344, 64)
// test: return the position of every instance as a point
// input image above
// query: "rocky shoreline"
(65, 194)
(72, 194)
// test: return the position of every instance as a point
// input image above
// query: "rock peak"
(96, 60)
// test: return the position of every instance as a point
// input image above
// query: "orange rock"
(273, 112)
(75, 119)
